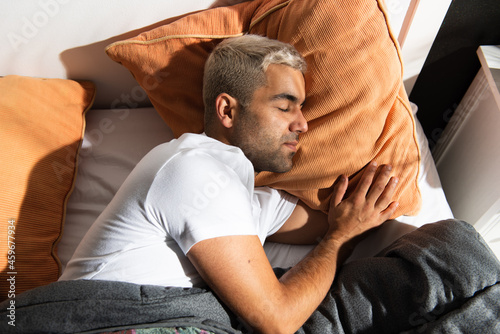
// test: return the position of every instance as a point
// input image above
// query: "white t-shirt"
(182, 192)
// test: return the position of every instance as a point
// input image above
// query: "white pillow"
(114, 142)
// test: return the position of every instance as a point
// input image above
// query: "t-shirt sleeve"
(196, 197)
(276, 207)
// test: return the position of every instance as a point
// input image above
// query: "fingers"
(366, 179)
(339, 189)
(385, 197)
(377, 187)
(389, 211)
(382, 186)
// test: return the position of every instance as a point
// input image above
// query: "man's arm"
(237, 269)
(305, 226)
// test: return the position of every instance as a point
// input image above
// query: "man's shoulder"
(196, 157)
(200, 152)
(192, 144)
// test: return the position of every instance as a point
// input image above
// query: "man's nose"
(299, 124)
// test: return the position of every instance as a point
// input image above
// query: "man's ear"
(226, 106)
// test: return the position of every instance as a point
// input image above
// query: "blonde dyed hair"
(237, 67)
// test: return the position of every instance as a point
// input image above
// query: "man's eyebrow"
(286, 96)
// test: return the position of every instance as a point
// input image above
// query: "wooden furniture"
(468, 153)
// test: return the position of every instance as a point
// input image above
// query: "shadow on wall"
(115, 86)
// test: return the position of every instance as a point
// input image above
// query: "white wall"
(424, 28)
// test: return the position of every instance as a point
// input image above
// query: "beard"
(262, 145)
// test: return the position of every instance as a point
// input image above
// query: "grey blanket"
(441, 278)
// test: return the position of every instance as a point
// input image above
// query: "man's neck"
(224, 140)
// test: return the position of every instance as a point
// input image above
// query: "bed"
(68, 142)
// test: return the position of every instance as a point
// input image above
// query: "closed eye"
(287, 97)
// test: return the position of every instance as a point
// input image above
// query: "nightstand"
(468, 153)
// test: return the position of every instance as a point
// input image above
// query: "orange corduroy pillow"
(356, 107)
(41, 127)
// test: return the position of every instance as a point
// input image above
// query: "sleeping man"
(189, 213)
(189, 216)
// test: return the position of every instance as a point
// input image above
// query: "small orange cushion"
(41, 127)
(356, 106)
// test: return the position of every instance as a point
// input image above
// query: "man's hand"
(367, 207)
(237, 270)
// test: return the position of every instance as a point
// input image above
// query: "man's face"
(268, 130)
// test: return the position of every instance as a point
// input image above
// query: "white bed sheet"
(116, 139)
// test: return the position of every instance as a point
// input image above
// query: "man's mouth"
(292, 145)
